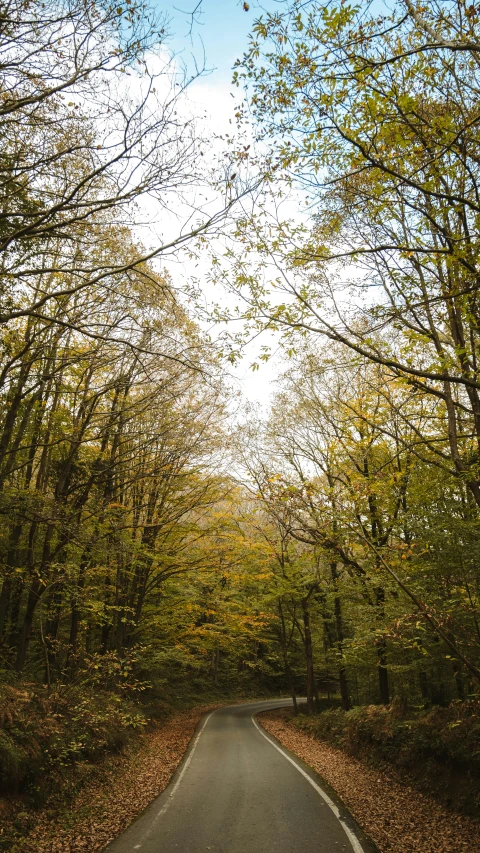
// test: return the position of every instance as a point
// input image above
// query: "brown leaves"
(115, 793)
(398, 818)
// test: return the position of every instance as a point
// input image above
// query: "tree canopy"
(153, 537)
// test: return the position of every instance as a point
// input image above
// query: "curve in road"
(238, 791)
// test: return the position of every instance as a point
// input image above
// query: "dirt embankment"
(398, 818)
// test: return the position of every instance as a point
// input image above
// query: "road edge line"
(184, 768)
(355, 843)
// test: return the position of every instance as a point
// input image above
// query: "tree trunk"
(24, 638)
(214, 661)
(4, 603)
(346, 705)
(342, 674)
(381, 646)
(459, 681)
(293, 693)
(423, 681)
(384, 688)
(8, 583)
(308, 656)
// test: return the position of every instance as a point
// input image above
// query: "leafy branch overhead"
(162, 541)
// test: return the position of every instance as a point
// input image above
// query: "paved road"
(237, 791)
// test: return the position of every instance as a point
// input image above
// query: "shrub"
(440, 748)
(41, 735)
(12, 764)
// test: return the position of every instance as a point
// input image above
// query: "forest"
(163, 542)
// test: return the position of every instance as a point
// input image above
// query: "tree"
(351, 488)
(377, 117)
(83, 157)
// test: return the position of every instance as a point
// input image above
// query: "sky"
(221, 29)
(219, 36)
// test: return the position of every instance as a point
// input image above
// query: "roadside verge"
(118, 789)
(396, 817)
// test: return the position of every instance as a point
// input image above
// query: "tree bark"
(342, 674)
(308, 656)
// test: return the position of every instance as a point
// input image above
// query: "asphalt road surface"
(238, 791)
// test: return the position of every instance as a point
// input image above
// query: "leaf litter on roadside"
(110, 801)
(398, 818)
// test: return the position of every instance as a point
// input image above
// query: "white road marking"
(177, 783)
(357, 847)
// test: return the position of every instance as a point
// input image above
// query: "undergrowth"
(43, 733)
(437, 749)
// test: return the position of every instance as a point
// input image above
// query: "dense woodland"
(157, 542)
